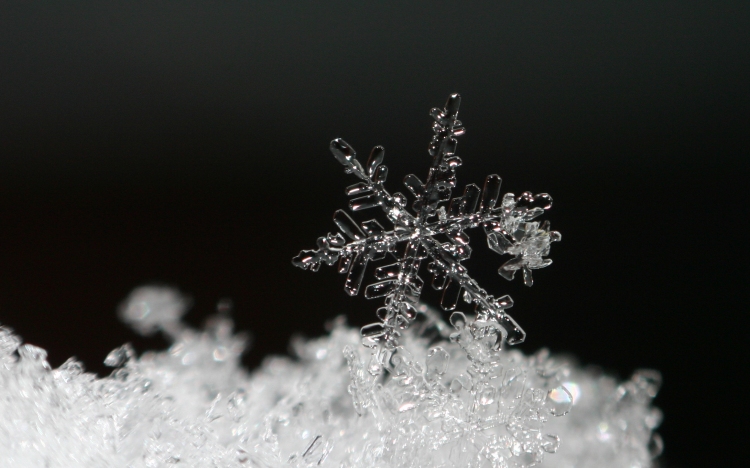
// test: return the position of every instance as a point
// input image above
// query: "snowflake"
(435, 231)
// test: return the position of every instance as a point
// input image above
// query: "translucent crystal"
(506, 222)
(437, 362)
(559, 401)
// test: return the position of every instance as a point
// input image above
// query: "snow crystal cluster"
(421, 392)
(443, 403)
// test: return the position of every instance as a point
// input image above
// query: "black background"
(187, 143)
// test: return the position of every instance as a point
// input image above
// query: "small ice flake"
(9, 342)
(418, 236)
(120, 356)
(151, 308)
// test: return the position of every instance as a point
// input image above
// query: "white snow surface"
(432, 402)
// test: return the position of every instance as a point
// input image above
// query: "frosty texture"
(434, 232)
(431, 402)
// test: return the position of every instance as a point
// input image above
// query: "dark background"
(187, 143)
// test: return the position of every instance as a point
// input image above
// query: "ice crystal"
(508, 223)
(194, 405)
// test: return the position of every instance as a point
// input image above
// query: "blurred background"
(186, 143)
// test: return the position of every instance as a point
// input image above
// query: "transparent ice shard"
(119, 356)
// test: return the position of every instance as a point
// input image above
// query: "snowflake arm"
(508, 225)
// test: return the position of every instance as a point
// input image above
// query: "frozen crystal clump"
(444, 398)
(151, 308)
